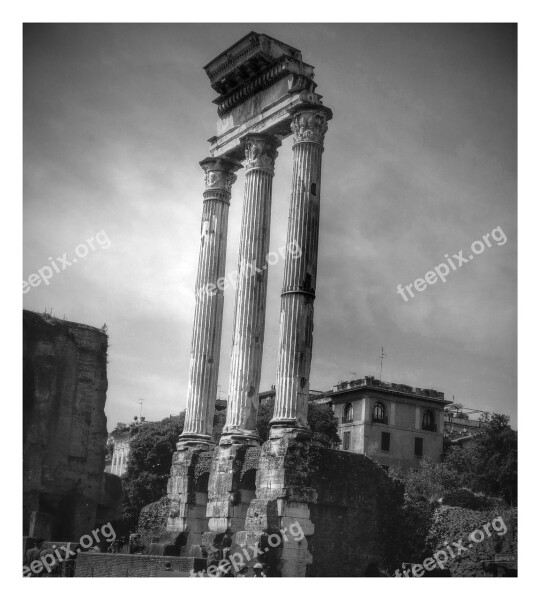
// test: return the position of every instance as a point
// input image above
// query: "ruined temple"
(240, 493)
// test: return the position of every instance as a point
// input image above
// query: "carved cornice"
(254, 43)
(261, 153)
(286, 66)
(310, 125)
(245, 59)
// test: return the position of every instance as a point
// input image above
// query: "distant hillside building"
(393, 424)
(120, 440)
(459, 428)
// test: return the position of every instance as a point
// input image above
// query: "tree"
(494, 458)
(431, 481)
(321, 420)
(324, 425)
(264, 416)
(149, 465)
(487, 465)
(150, 459)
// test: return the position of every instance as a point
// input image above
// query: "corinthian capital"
(219, 173)
(261, 152)
(310, 125)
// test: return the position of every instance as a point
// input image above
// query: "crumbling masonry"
(239, 493)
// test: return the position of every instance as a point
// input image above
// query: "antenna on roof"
(382, 357)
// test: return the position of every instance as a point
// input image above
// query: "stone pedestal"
(309, 125)
(207, 322)
(250, 306)
(283, 495)
(231, 488)
(187, 492)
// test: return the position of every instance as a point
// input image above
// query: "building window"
(346, 440)
(348, 413)
(428, 421)
(418, 446)
(385, 441)
(379, 413)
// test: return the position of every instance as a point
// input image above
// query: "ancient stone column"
(309, 125)
(250, 307)
(207, 323)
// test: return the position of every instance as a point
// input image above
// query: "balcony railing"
(346, 419)
(381, 420)
(429, 427)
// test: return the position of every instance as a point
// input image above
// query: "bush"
(321, 420)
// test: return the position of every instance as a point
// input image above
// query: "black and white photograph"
(270, 301)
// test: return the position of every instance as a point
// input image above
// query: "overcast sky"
(419, 162)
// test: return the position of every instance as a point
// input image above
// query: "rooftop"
(396, 388)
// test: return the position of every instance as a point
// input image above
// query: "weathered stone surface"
(260, 79)
(187, 495)
(64, 425)
(282, 493)
(208, 319)
(250, 305)
(355, 500)
(231, 488)
(309, 126)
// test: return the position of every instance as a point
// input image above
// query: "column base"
(231, 487)
(282, 505)
(290, 428)
(195, 440)
(240, 436)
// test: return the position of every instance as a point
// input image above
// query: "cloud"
(419, 161)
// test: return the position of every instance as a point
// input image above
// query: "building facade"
(121, 441)
(393, 424)
(459, 427)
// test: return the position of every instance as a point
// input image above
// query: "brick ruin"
(64, 429)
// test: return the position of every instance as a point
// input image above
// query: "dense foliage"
(488, 465)
(321, 420)
(479, 477)
(149, 464)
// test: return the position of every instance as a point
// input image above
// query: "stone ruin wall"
(343, 502)
(64, 426)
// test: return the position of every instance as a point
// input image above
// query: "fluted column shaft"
(250, 305)
(208, 319)
(309, 125)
